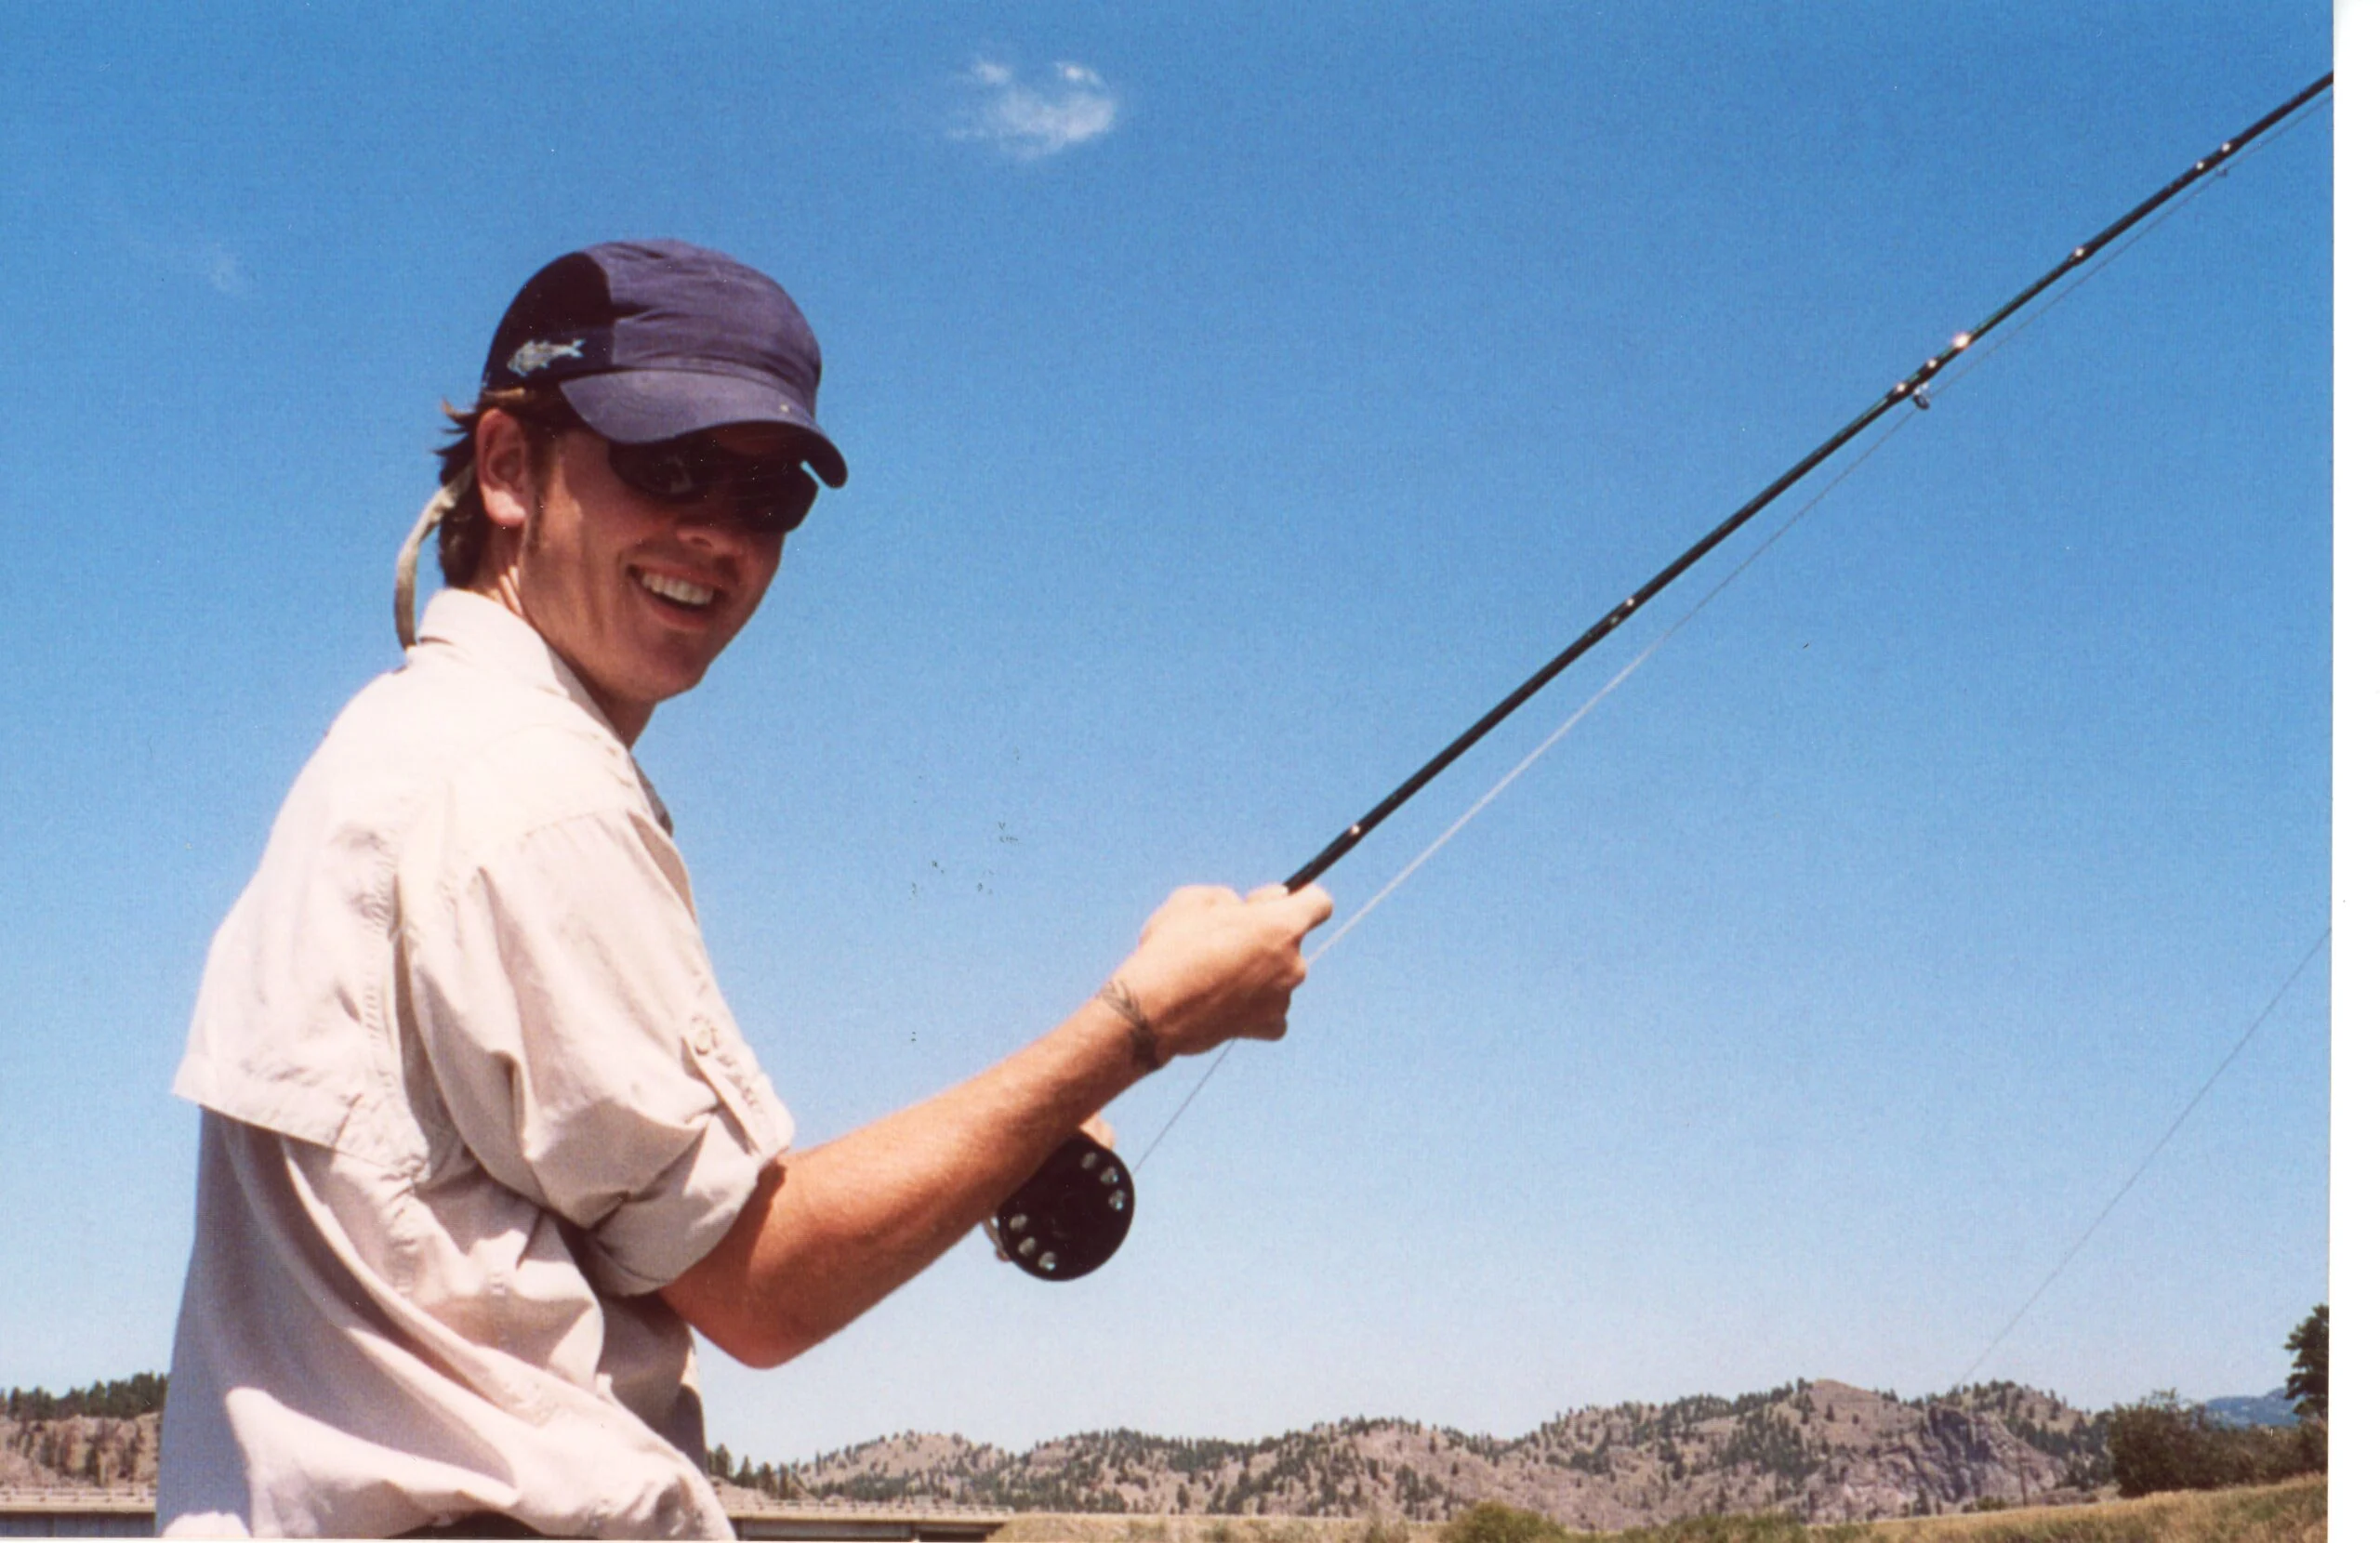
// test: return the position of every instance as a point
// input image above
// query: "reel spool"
(1070, 1217)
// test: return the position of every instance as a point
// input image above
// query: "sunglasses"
(770, 494)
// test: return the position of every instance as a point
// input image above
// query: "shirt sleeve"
(569, 1015)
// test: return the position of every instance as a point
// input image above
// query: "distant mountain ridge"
(103, 1435)
(1823, 1451)
(102, 1451)
(2272, 1409)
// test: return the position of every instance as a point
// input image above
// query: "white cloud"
(221, 266)
(1025, 121)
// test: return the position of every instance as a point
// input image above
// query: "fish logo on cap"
(529, 358)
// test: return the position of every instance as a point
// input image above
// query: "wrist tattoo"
(1118, 996)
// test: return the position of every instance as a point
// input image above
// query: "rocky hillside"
(102, 1434)
(1823, 1451)
(78, 1449)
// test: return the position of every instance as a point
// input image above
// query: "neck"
(500, 581)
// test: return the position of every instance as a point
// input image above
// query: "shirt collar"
(488, 632)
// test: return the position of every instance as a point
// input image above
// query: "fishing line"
(1968, 362)
(2087, 263)
(1608, 687)
(2126, 1187)
(1083, 1198)
(1911, 389)
(1215, 1063)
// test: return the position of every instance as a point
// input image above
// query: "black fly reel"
(1070, 1217)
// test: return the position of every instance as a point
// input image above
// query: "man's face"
(638, 595)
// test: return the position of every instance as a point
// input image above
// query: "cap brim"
(647, 406)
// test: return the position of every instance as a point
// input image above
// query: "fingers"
(1214, 965)
(1312, 905)
(1099, 1130)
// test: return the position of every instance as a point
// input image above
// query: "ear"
(506, 471)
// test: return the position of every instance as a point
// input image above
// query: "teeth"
(676, 589)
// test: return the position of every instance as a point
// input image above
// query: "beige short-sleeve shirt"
(472, 1096)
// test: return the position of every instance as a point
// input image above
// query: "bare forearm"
(834, 1230)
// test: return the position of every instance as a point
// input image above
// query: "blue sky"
(1237, 404)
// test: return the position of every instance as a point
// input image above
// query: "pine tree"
(2309, 1376)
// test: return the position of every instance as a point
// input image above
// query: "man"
(481, 1139)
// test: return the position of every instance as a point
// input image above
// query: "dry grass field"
(2296, 1511)
(1052, 1528)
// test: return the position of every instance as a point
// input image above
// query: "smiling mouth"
(677, 591)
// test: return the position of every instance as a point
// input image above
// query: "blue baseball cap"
(651, 340)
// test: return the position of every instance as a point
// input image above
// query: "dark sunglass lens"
(776, 497)
(671, 472)
(770, 496)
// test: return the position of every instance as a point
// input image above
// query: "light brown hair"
(463, 534)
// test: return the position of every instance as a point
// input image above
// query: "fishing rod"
(1072, 1215)
(1911, 389)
